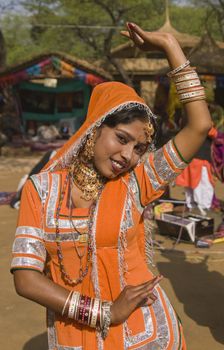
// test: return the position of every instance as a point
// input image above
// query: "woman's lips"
(117, 167)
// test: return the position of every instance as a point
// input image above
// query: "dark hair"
(125, 116)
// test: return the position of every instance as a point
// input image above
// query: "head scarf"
(106, 99)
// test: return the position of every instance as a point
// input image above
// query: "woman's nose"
(127, 152)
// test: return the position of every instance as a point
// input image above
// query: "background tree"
(213, 16)
(90, 29)
(5, 5)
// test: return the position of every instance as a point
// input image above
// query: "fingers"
(125, 33)
(150, 284)
(136, 33)
(146, 300)
(155, 281)
(144, 295)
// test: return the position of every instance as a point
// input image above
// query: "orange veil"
(106, 99)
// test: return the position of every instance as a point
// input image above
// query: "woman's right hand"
(131, 298)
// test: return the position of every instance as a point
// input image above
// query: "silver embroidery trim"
(128, 219)
(148, 331)
(62, 347)
(37, 183)
(163, 333)
(28, 230)
(65, 159)
(122, 244)
(22, 261)
(64, 237)
(94, 272)
(178, 163)
(51, 208)
(135, 190)
(44, 186)
(51, 331)
(28, 245)
(149, 171)
(162, 167)
(41, 184)
(52, 335)
(175, 321)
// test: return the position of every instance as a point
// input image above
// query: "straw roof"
(186, 41)
(207, 56)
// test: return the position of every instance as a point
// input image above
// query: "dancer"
(80, 244)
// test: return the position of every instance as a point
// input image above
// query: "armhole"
(139, 191)
(23, 268)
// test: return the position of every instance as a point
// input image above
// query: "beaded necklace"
(82, 272)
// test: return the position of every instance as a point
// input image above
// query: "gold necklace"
(87, 179)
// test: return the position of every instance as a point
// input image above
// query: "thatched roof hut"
(143, 65)
(208, 56)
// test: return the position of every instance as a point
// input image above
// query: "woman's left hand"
(149, 40)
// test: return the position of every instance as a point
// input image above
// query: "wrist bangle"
(184, 76)
(187, 96)
(73, 304)
(106, 309)
(187, 84)
(66, 303)
(178, 69)
(94, 315)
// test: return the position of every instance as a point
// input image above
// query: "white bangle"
(66, 302)
(186, 76)
(73, 304)
(90, 308)
(94, 313)
(178, 69)
(106, 309)
(198, 98)
(187, 96)
(188, 84)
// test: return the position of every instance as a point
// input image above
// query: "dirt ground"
(194, 278)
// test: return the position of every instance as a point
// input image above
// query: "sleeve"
(159, 169)
(28, 248)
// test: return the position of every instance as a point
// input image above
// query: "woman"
(80, 222)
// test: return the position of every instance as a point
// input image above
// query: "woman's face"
(119, 149)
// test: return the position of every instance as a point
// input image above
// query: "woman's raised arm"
(199, 122)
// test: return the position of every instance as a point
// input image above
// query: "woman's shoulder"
(44, 181)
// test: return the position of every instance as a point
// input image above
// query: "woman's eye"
(140, 150)
(122, 139)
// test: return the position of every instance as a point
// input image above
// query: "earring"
(88, 150)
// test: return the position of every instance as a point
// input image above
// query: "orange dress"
(118, 250)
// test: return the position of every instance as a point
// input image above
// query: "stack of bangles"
(187, 83)
(92, 312)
